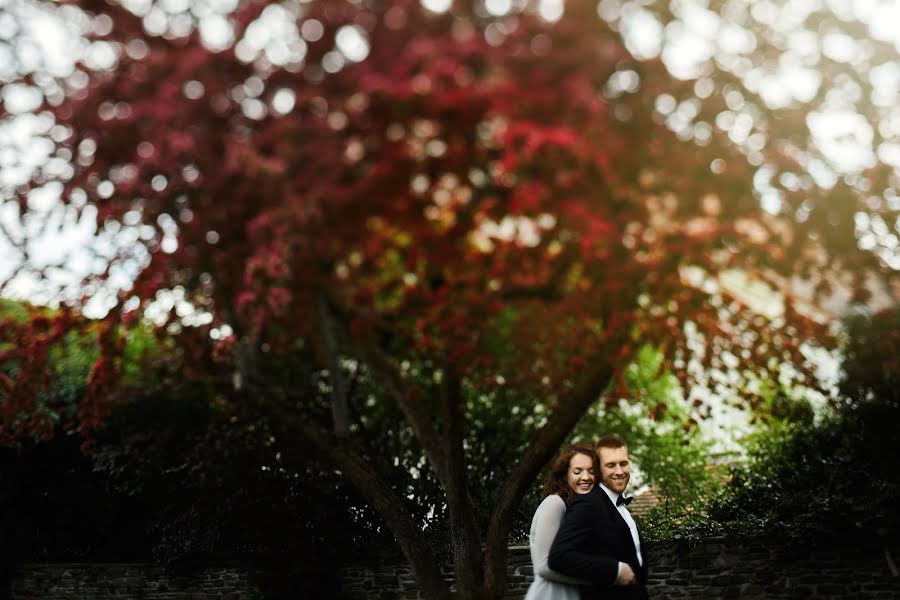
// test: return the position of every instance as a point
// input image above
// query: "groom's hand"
(626, 575)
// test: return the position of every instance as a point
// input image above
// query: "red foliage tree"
(395, 207)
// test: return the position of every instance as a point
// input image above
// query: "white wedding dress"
(548, 584)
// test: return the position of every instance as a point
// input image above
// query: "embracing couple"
(584, 542)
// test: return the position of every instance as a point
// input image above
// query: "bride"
(572, 472)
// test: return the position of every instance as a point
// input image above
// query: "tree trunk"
(465, 537)
(382, 498)
(544, 444)
(480, 573)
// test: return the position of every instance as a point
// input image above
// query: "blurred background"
(253, 254)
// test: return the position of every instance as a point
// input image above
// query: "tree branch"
(404, 392)
(541, 448)
(380, 496)
(340, 411)
(407, 396)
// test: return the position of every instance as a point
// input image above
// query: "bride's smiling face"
(580, 476)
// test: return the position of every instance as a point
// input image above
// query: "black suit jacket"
(592, 539)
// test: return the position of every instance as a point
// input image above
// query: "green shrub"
(838, 476)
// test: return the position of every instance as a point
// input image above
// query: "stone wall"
(721, 569)
(128, 582)
(395, 582)
(712, 569)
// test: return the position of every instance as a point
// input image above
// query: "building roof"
(644, 501)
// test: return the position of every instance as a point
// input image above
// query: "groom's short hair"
(610, 441)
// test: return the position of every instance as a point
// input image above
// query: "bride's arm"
(546, 523)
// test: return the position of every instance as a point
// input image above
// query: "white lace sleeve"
(544, 526)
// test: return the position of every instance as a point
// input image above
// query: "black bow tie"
(623, 500)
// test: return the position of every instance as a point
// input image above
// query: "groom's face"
(615, 470)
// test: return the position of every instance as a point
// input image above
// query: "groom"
(598, 539)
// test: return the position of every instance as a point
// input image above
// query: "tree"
(453, 202)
